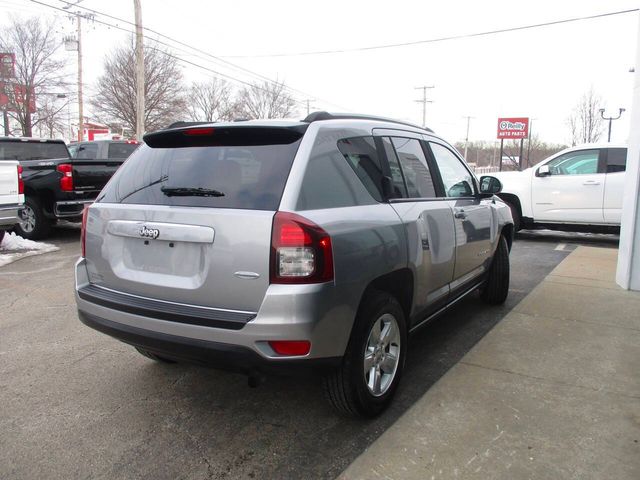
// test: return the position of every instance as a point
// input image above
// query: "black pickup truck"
(56, 186)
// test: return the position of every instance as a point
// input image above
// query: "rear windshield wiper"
(191, 192)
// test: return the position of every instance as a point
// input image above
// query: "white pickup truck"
(11, 195)
(577, 189)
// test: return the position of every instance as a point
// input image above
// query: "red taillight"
(66, 182)
(83, 231)
(196, 132)
(290, 347)
(301, 251)
(20, 181)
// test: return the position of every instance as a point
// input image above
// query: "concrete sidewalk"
(552, 392)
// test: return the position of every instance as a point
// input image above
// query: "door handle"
(590, 182)
(460, 214)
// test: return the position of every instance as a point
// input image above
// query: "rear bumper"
(9, 215)
(308, 312)
(70, 208)
(219, 355)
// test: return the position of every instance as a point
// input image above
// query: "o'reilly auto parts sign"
(513, 127)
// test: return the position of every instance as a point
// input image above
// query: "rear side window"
(399, 187)
(362, 156)
(616, 160)
(414, 167)
(235, 176)
(121, 150)
(329, 182)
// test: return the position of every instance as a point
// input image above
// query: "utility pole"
(424, 102)
(139, 72)
(79, 16)
(80, 105)
(610, 119)
(466, 139)
(308, 102)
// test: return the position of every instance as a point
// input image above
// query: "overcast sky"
(540, 73)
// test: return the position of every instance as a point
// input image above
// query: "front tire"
(515, 214)
(33, 224)
(496, 287)
(364, 385)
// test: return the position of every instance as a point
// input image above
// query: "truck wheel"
(153, 356)
(496, 287)
(365, 383)
(33, 224)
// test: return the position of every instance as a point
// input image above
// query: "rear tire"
(154, 356)
(496, 287)
(33, 224)
(364, 385)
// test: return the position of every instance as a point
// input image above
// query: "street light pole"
(620, 110)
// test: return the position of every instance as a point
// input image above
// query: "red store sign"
(513, 127)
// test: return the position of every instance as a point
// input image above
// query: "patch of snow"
(13, 247)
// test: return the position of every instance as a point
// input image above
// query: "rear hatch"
(188, 217)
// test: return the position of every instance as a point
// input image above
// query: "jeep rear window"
(20, 150)
(233, 176)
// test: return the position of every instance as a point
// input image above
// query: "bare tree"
(51, 117)
(212, 101)
(115, 98)
(266, 100)
(585, 122)
(37, 69)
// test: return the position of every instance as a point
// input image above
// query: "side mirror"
(490, 185)
(543, 171)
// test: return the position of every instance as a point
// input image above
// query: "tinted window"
(362, 156)
(575, 163)
(17, 150)
(328, 181)
(616, 160)
(456, 179)
(121, 150)
(399, 187)
(87, 150)
(414, 167)
(250, 177)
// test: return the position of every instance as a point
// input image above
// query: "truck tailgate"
(92, 175)
(8, 183)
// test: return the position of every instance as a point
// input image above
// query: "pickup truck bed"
(55, 185)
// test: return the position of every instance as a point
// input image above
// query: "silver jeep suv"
(291, 246)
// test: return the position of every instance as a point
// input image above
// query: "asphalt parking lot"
(77, 404)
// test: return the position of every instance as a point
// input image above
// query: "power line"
(117, 27)
(440, 39)
(216, 58)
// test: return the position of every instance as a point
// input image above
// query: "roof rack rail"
(317, 116)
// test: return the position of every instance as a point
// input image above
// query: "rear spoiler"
(202, 134)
